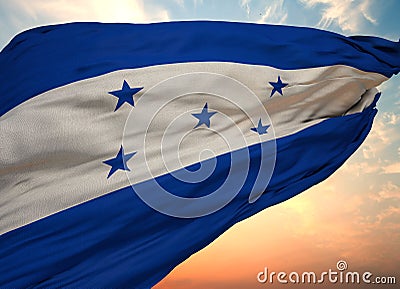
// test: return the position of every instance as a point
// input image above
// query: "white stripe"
(52, 146)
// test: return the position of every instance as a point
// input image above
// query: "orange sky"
(353, 216)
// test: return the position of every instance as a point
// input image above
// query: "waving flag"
(126, 148)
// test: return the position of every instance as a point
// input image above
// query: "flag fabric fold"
(100, 124)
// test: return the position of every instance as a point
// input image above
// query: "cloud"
(274, 13)
(390, 216)
(381, 212)
(181, 3)
(246, 5)
(391, 118)
(377, 155)
(392, 168)
(368, 152)
(91, 10)
(380, 134)
(349, 15)
(386, 219)
(19, 15)
(389, 191)
(383, 135)
(197, 3)
(361, 168)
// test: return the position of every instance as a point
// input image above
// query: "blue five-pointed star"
(119, 162)
(125, 94)
(204, 116)
(277, 86)
(260, 129)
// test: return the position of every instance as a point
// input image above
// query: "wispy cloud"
(20, 15)
(197, 3)
(377, 155)
(245, 4)
(91, 10)
(361, 168)
(391, 118)
(181, 3)
(389, 191)
(384, 133)
(392, 168)
(274, 12)
(348, 15)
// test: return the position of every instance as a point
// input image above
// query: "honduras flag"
(126, 148)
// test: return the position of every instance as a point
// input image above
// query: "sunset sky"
(354, 215)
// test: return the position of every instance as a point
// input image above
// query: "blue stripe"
(116, 241)
(48, 57)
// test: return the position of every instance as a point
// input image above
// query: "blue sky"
(372, 17)
(361, 202)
